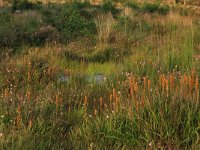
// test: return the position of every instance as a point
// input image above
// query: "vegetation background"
(109, 75)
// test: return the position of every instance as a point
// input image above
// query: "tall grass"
(131, 88)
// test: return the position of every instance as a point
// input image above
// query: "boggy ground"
(76, 76)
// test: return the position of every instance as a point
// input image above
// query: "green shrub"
(43, 35)
(155, 8)
(108, 6)
(17, 29)
(71, 20)
(8, 36)
(25, 5)
(7, 31)
(133, 5)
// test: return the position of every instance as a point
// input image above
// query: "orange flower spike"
(116, 103)
(111, 97)
(131, 86)
(197, 84)
(137, 106)
(163, 83)
(28, 95)
(190, 83)
(6, 93)
(61, 102)
(114, 93)
(149, 85)
(136, 87)
(95, 112)
(101, 103)
(160, 80)
(193, 73)
(85, 101)
(142, 102)
(19, 116)
(130, 112)
(182, 84)
(185, 80)
(171, 78)
(145, 83)
(57, 102)
(29, 71)
(167, 87)
(19, 109)
(30, 123)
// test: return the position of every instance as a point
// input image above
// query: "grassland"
(79, 76)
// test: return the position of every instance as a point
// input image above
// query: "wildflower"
(136, 87)
(29, 71)
(101, 102)
(95, 112)
(197, 84)
(111, 100)
(171, 78)
(167, 87)
(145, 82)
(149, 85)
(85, 101)
(1, 134)
(57, 102)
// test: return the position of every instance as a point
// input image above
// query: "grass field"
(79, 76)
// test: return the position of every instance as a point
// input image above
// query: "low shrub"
(43, 35)
(16, 29)
(8, 36)
(108, 6)
(133, 5)
(155, 8)
(70, 20)
(25, 5)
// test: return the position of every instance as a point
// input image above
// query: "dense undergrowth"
(79, 76)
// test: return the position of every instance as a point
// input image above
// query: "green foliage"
(155, 8)
(44, 34)
(25, 5)
(77, 95)
(108, 6)
(71, 20)
(133, 5)
(16, 30)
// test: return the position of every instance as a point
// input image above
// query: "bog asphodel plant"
(171, 80)
(114, 93)
(18, 119)
(197, 84)
(101, 103)
(145, 83)
(191, 82)
(111, 99)
(85, 103)
(30, 124)
(130, 111)
(167, 87)
(163, 82)
(130, 87)
(149, 85)
(57, 102)
(6, 93)
(28, 94)
(29, 71)
(116, 104)
(136, 87)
